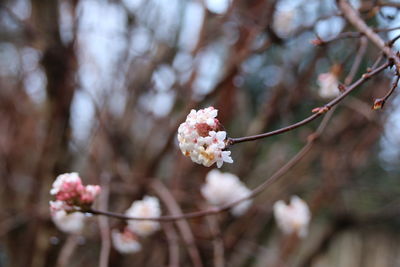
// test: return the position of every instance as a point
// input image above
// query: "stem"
(322, 110)
(380, 102)
(354, 18)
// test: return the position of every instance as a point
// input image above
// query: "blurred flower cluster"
(225, 188)
(293, 218)
(127, 240)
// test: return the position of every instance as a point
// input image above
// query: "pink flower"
(89, 193)
(66, 183)
(71, 193)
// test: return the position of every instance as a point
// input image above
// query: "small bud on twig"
(378, 104)
(320, 110)
(341, 87)
(317, 42)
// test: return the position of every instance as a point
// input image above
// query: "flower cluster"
(146, 208)
(125, 242)
(200, 138)
(224, 188)
(70, 195)
(293, 218)
(328, 85)
(70, 192)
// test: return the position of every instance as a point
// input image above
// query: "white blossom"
(293, 218)
(125, 242)
(284, 21)
(71, 223)
(328, 85)
(200, 139)
(148, 207)
(224, 188)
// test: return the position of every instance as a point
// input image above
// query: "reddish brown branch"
(354, 18)
(320, 110)
(380, 102)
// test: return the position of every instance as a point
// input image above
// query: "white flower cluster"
(224, 188)
(200, 139)
(293, 218)
(71, 223)
(148, 207)
(328, 85)
(125, 242)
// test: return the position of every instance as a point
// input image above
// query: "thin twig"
(354, 18)
(380, 102)
(357, 61)
(346, 35)
(103, 223)
(388, 4)
(312, 117)
(173, 245)
(182, 225)
(66, 251)
(218, 243)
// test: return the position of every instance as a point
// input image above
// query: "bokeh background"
(100, 87)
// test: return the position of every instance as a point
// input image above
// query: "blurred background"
(100, 87)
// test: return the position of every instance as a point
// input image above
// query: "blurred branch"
(218, 243)
(103, 222)
(67, 250)
(173, 245)
(183, 225)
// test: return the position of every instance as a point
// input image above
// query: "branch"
(319, 110)
(183, 225)
(380, 102)
(279, 173)
(354, 18)
(218, 243)
(104, 224)
(173, 245)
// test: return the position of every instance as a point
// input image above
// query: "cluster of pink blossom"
(200, 138)
(70, 193)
